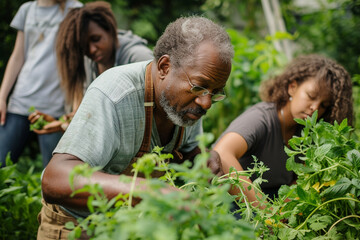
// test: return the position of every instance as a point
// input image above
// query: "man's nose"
(204, 101)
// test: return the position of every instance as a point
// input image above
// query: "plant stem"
(349, 216)
(332, 200)
(132, 188)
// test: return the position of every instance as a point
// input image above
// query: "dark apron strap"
(149, 106)
(146, 142)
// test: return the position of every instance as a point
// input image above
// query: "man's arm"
(56, 187)
(214, 161)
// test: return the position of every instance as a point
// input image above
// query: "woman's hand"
(52, 125)
(33, 117)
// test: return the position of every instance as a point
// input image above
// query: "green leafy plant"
(324, 204)
(20, 202)
(199, 210)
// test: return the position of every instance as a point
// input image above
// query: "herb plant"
(200, 210)
(324, 204)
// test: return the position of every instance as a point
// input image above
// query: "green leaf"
(31, 109)
(6, 172)
(287, 234)
(321, 151)
(69, 225)
(356, 182)
(318, 222)
(298, 168)
(8, 161)
(301, 193)
(339, 189)
(10, 190)
(314, 118)
(354, 157)
(300, 121)
(290, 152)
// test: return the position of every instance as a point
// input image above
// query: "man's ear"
(292, 88)
(163, 66)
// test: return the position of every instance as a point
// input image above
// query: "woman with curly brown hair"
(309, 83)
(88, 44)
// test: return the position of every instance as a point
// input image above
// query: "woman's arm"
(231, 147)
(13, 67)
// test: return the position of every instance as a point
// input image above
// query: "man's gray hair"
(182, 37)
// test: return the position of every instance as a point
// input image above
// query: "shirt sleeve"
(18, 21)
(250, 125)
(93, 134)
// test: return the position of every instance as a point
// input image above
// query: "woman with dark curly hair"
(309, 83)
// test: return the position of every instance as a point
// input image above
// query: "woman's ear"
(163, 66)
(292, 88)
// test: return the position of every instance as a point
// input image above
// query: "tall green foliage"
(150, 18)
(324, 204)
(20, 201)
(199, 210)
(333, 30)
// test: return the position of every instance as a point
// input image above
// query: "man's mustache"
(197, 111)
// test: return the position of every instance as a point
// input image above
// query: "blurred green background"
(328, 27)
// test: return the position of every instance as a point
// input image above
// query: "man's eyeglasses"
(200, 91)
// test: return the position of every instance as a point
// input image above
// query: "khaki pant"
(52, 220)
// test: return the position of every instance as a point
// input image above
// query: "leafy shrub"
(324, 204)
(199, 211)
(20, 202)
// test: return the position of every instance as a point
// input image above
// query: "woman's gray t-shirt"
(260, 127)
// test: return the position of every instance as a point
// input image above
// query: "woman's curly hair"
(71, 44)
(327, 72)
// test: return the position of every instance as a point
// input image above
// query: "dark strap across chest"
(149, 107)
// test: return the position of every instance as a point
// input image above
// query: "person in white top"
(32, 76)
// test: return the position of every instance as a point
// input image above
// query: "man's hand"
(214, 163)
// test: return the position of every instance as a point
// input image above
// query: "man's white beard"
(176, 117)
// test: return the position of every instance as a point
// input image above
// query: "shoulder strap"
(149, 105)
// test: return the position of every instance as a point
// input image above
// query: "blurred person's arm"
(13, 67)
